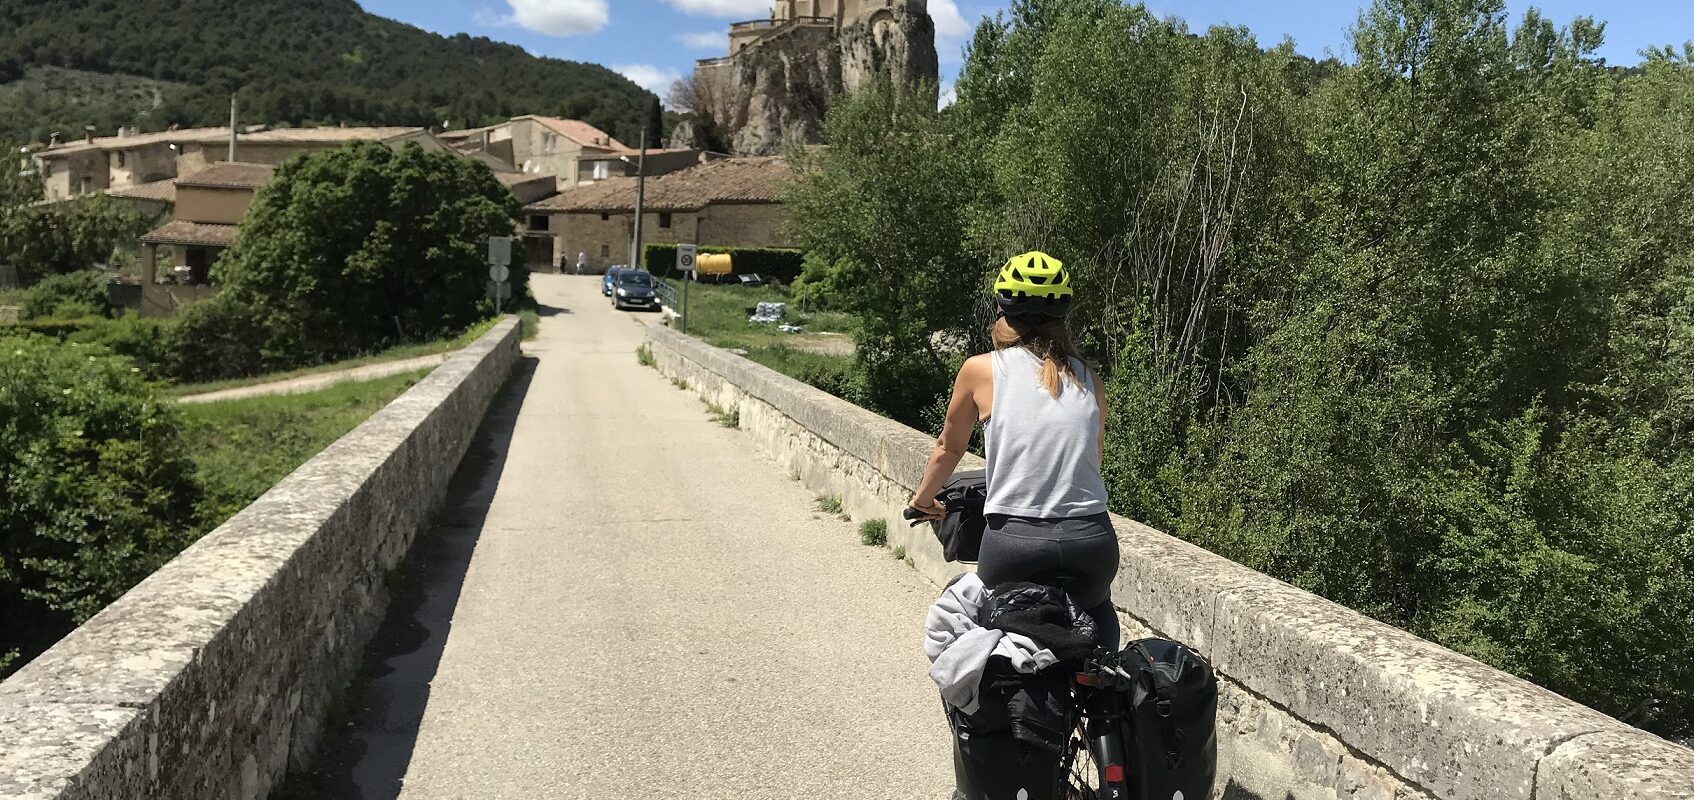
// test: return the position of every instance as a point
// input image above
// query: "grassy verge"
(241, 448)
(820, 356)
(430, 348)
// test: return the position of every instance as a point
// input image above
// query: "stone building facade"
(732, 202)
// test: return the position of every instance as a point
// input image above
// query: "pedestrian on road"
(1043, 413)
(581, 261)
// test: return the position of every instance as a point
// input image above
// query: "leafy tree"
(656, 125)
(880, 216)
(97, 492)
(351, 250)
(1412, 332)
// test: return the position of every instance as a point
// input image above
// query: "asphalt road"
(636, 602)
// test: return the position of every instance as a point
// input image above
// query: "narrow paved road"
(653, 608)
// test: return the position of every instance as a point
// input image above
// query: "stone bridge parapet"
(1318, 701)
(214, 676)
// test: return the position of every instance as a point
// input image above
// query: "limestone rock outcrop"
(777, 89)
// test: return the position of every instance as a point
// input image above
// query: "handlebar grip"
(912, 513)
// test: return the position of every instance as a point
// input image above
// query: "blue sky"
(656, 41)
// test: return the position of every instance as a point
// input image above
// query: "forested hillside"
(293, 61)
(1416, 334)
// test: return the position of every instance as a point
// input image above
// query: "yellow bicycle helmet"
(1033, 284)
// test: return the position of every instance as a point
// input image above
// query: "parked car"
(610, 278)
(634, 289)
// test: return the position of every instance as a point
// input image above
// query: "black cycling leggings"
(1079, 555)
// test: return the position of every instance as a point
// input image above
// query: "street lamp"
(640, 195)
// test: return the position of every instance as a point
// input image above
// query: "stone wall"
(213, 676)
(1317, 701)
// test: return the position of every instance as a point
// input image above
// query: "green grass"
(430, 348)
(12, 297)
(644, 356)
(241, 448)
(873, 532)
(829, 505)
(718, 314)
(531, 323)
(729, 419)
(900, 553)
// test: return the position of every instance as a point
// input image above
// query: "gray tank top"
(1043, 451)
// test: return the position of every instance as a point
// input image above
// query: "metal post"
(640, 197)
(231, 126)
(685, 281)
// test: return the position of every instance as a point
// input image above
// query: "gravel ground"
(653, 607)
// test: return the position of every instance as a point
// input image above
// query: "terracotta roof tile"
(164, 190)
(581, 132)
(727, 180)
(230, 175)
(181, 231)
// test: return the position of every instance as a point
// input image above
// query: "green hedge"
(771, 263)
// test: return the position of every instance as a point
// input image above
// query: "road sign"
(500, 250)
(499, 273)
(685, 257)
(499, 291)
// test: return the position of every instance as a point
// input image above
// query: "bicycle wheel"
(1081, 769)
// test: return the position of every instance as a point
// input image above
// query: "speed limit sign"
(685, 257)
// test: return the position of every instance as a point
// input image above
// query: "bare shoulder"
(977, 368)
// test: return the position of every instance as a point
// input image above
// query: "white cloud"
(704, 40)
(557, 17)
(949, 23)
(738, 9)
(653, 79)
(948, 96)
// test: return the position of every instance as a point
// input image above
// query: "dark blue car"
(610, 278)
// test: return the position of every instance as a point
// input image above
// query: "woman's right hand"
(927, 511)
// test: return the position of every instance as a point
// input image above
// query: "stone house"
(729, 202)
(131, 159)
(538, 145)
(177, 257)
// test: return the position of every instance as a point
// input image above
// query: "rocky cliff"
(778, 89)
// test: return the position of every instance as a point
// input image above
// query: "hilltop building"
(731, 202)
(776, 84)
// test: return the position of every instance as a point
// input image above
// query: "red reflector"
(1114, 773)
(1084, 679)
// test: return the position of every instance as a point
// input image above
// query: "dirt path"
(321, 380)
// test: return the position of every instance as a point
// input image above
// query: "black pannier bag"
(1171, 733)
(960, 531)
(1010, 748)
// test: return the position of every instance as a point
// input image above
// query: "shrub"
(99, 492)
(71, 295)
(873, 532)
(768, 262)
(216, 339)
(145, 341)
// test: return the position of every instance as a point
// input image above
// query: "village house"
(728, 202)
(132, 159)
(177, 257)
(537, 145)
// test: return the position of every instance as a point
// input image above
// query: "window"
(121, 156)
(605, 251)
(605, 217)
(83, 185)
(547, 140)
(601, 170)
(664, 219)
(538, 222)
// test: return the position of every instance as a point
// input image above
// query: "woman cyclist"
(1043, 416)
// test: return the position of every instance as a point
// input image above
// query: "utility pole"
(640, 197)
(231, 126)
